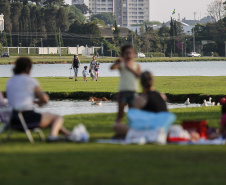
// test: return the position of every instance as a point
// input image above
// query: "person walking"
(97, 68)
(75, 65)
(92, 68)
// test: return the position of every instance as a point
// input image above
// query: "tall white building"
(1, 22)
(130, 12)
(127, 12)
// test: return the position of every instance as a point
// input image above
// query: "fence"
(81, 50)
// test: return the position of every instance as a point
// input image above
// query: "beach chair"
(5, 120)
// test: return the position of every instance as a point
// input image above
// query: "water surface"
(157, 68)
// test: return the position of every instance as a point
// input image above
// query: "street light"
(20, 48)
(102, 50)
(225, 47)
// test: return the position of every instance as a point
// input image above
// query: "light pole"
(185, 49)
(102, 50)
(42, 46)
(194, 39)
(182, 49)
(59, 44)
(20, 48)
(225, 47)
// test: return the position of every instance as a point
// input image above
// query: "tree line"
(48, 22)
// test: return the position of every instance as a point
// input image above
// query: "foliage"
(98, 21)
(86, 33)
(85, 9)
(108, 18)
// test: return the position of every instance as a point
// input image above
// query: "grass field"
(101, 164)
(181, 87)
(83, 59)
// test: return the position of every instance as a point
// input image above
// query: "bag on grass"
(178, 134)
(196, 126)
(153, 127)
(80, 134)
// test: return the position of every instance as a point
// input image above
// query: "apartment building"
(127, 12)
(101, 6)
(130, 12)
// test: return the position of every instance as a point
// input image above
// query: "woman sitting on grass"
(150, 100)
(22, 93)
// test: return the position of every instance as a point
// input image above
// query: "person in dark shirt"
(75, 65)
(150, 100)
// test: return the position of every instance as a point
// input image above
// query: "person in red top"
(223, 118)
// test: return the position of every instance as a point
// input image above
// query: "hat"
(76, 55)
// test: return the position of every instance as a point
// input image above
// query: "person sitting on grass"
(150, 100)
(85, 73)
(22, 93)
(128, 86)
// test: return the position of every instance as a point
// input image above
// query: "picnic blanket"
(218, 141)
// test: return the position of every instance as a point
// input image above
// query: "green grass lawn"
(84, 59)
(171, 85)
(100, 164)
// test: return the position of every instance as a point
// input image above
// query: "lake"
(68, 107)
(157, 68)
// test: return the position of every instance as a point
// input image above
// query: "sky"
(161, 10)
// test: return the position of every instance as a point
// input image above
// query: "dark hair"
(223, 108)
(22, 64)
(147, 80)
(125, 47)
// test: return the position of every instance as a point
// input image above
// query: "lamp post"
(225, 47)
(42, 46)
(102, 49)
(20, 48)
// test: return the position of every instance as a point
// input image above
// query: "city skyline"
(161, 10)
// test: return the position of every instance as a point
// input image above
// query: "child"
(85, 73)
(97, 67)
(223, 118)
(128, 86)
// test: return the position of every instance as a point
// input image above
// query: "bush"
(155, 54)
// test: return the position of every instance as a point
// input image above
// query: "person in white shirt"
(23, 92)
(85, 73)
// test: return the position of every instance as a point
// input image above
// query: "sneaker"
(76, 80)
(96, 80)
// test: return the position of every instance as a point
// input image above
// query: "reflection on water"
(69, 107)
(158, 69)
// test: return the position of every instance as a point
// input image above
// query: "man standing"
(75, 65)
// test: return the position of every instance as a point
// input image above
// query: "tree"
(98, 21)
(5, 41)
(85, 9)
(51, 3)
(10, 40)
(75, 14)
(108, 18)
(16, 8)
(5, 9)
(56, 42)
(216, 10)
(1, 48)
(50, 19)
(62, 19)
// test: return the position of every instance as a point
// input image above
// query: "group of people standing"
(93, 68)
